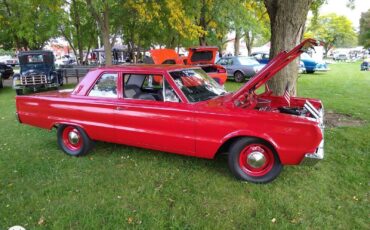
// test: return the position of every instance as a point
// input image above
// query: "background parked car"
(9, 60)
(1, 82)
(203, 56)
(261, 57)
(340, 57)
(37, 70)
(240, 67)
(365, 66)
(301, 68)
(310, 64)
(6, 71)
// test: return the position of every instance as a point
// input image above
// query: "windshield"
(196, 84)
(25, 59)
(248, 61)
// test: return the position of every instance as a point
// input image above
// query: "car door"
(230, 67)
(153, 123)
(96, 109)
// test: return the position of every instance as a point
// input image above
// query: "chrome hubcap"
(256, 159)
(73, 137)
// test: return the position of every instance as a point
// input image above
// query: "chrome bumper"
(311, 159)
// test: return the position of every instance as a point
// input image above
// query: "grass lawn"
(118, 187)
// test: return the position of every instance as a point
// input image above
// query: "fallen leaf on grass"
(41, 221)
(355, 198)
(273, 220)
(129, 220)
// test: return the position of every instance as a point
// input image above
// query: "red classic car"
(203, 57)
(184, 111)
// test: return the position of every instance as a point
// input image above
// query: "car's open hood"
(202, 55)
(274, 66)
(165, 56)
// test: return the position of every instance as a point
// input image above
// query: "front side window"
(196, 84)
(106, 86)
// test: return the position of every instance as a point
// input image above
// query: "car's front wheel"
(73, 140)
(254, 160)
(239, 77)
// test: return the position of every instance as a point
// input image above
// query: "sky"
(339, 7)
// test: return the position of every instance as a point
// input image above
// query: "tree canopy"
(364, 35)
(333, 30)
(28, 24)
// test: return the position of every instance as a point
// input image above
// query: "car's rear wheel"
(73, 140)
(254, 160)
(239, 77)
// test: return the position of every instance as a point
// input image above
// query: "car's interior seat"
(131, 91)
(145, 96)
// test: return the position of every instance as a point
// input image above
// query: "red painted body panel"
(161, 55)
(196, 129)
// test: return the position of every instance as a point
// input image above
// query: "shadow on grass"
(105, 150)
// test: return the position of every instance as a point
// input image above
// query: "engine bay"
(276, 104)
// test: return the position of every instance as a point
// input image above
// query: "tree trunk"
(77, 25)
(287, 19)
(106, 41)
(237, 42)
(103, 22)
(86, 61)
(203, 24)
(249, 39)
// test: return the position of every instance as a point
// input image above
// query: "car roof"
(235, 57)
(260, 52)
(34, 52)
(163, 67)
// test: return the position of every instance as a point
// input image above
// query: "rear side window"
(169, 61)
(106, 86)
(202, 56)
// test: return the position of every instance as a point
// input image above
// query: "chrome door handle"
(120, 108)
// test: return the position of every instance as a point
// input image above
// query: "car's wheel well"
(224, 148)
(239, 72)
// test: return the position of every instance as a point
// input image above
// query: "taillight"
(221, 70)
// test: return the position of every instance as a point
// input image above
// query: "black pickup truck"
(37, 70)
